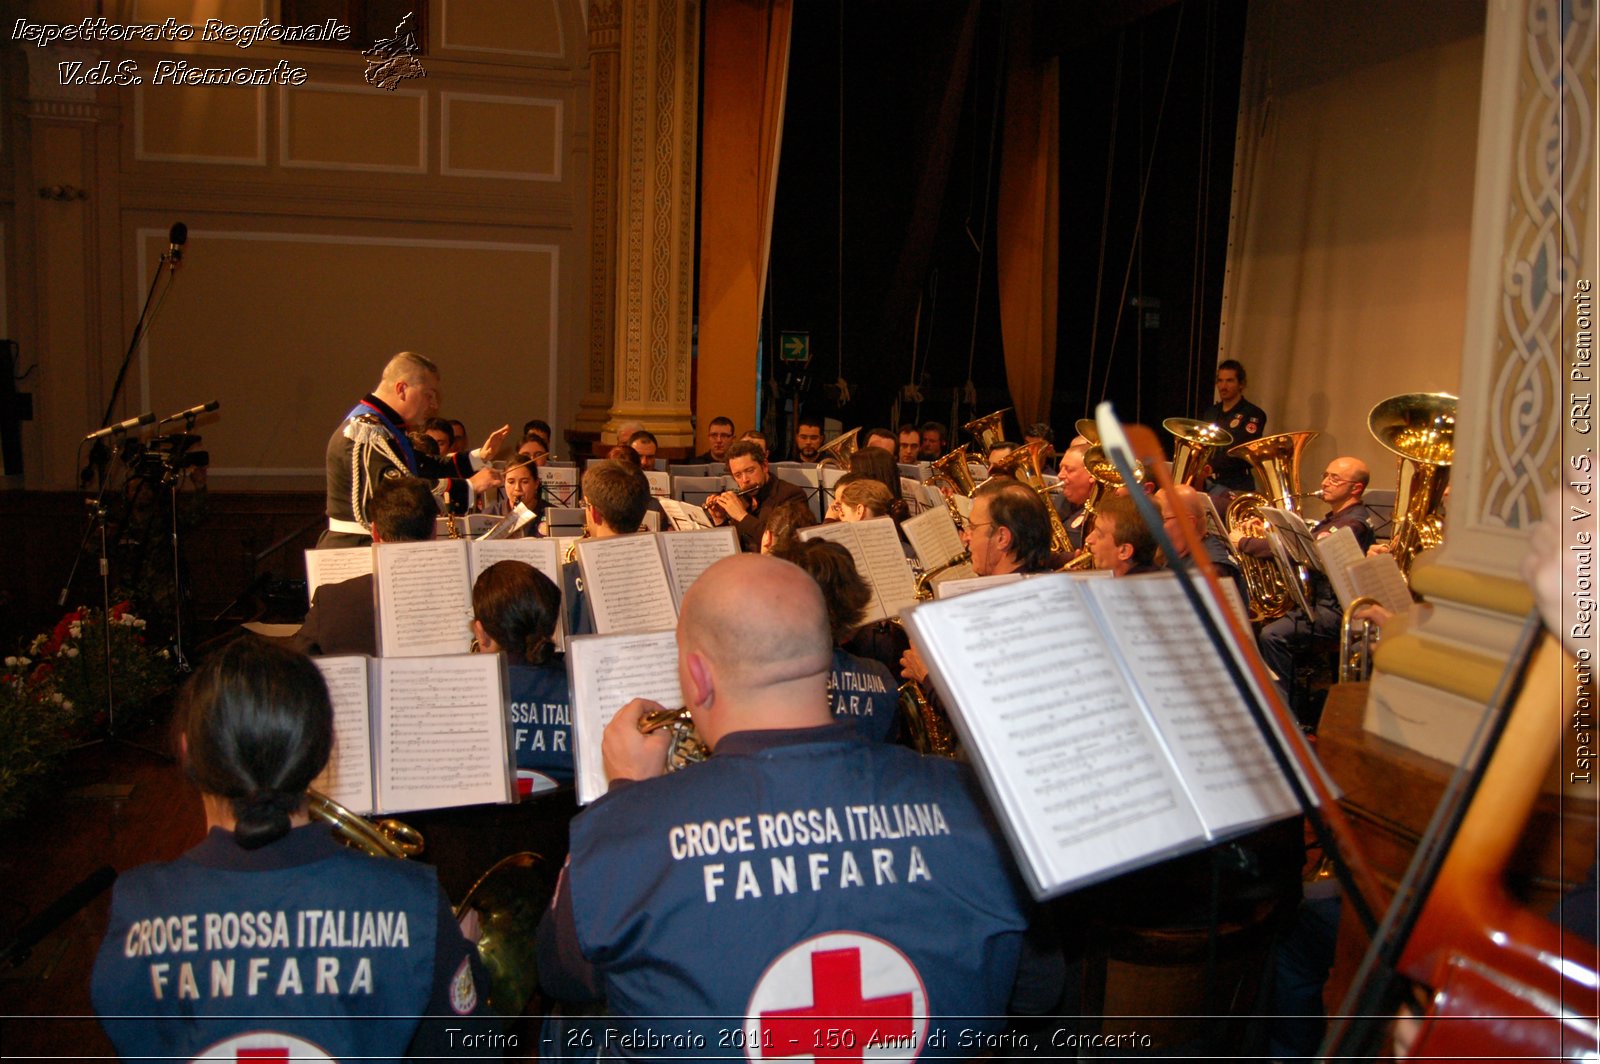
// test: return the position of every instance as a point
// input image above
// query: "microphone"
(177, 236)
(121, 427)
(192, 412)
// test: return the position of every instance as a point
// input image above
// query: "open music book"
(636, 583)
(1102, 722)
(605, 673)
(685, 516)
(335, 565)
(932, 534)
(418, 733)
(1354, 574)
(424, 590)
(879, 558)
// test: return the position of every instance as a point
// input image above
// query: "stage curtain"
(746, 69)
(1352, 211)
(1027, 244)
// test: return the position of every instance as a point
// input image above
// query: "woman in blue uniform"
(269, 935)
(860, 690)
(515, 608)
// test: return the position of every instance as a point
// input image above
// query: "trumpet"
(686, 747)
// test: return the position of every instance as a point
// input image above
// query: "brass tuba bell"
(1275, 461)
(989, 429)
(952, 469)
(1195, 443)
(1420, 428)
(836, 452)
(1023, 463)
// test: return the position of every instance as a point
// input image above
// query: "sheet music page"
(334, 565)
(625, 579)
(442, 732)
(1063, 749)
(932, 534)
(1379, 576)
(424, 598)
(689, 554)
(1201, 718)
(348, 777)
(512, 522)
(605, 673)
(887, 568)
(541, 554)
(1339, 552)
(1295, 533)
(685, 516)
(966, 585)
(875, 547)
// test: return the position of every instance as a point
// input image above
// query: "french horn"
(509, 898)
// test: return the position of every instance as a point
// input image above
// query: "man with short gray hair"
(370, 446)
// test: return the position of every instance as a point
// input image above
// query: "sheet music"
(424, 598)
(539, 553)
(932, 534)
(685, 516)
(966, 585)
(1379, 576)
(689, 554)
(875, 547)
(1063, 747)
(1339, 552)
(348, 777)
(1203, 722)
(442, 732)
(1295, 534)
(335, 565)
(511, 523)
(625, 581)
(605, 673)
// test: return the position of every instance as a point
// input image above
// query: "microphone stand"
(99, 460)
(98, 457)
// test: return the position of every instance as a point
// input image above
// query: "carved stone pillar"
(646, 109)
(1523, 418)
(605, 37)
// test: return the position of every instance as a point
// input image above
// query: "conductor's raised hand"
(492, 444)
(627, 754)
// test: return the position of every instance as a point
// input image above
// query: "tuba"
(1023, 463)
(836, 452)
(1195, 443)
(1420, 428)
(1275, 461)
(509, 898)
(989, 429)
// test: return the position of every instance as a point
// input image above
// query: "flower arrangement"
(54, 692)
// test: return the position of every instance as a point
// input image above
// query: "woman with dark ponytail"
(269, 934)
(515, 608)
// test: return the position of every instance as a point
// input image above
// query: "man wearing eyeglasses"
(1007, 532)
(1344, 486)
